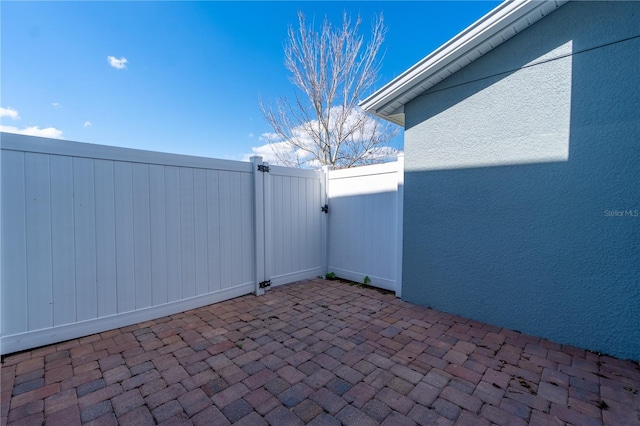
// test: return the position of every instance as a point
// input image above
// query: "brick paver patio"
(317, 352)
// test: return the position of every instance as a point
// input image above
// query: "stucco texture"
(522, 183)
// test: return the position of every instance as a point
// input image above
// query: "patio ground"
(317, 352)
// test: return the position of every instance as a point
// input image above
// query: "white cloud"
(250, 135)
(49, 132)
(117, 63)
(87, 124)
(9, 112)
(56, 105)
(267, 152)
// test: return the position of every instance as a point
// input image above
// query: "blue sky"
(194, 71)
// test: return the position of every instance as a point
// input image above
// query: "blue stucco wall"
(522, 183)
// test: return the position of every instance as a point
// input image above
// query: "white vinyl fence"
(365, 224)
(96, 237)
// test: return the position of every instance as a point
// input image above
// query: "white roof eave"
(493, 29)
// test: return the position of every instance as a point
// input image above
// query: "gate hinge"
(325, 208)
(265, 284)
(263, 168)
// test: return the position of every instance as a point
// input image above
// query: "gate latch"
(325, 208)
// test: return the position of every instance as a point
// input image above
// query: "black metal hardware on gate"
(325, 208)
(265, 284)
(263, 168)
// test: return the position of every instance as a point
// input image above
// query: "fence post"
(399, 222)
(326, 170)
(258, 224)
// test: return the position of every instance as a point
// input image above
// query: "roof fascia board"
(460, 50)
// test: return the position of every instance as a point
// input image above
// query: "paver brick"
(277, 386)
(538, 418)
(28, 386)
(36, 394)
(349, 374)
(174, 374)
(99, 395)
(464, 400)
(89, 366)
(58, 374)
(60, 401)
(237, 410)
(252, 419)
(325, 361)
(351, 416)
(291, 374)
(294, 395)
(307, 410)
(553, 393)
(316, 353)
(26, 410)
(246, 358)
(28, 376)
(489, 393)
(29, 365)
(117, 374)
(141, 416)
(500, 417)
(446, 409)
(140, 379)
(406, 373)
(194, 401)
(164, 395)
(210, 416)
(319, 379)
(79, 379)
(126, 402)
(262, 400)
(92, 386)
(232, 374)
(378, 378)
(424, 394)
(325, 419)
(94, 411)
(282, 416)
(338, 386)
(572, 416)
(69, 416)
(426, 416)
(328, 400)
(467, 418)
(395, 400)
(463, 373)
(230, 394)
(397, 419)
(516, 408)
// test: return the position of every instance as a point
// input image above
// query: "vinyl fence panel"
(96, 237)
(365, 224)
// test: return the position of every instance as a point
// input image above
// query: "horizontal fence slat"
(22, 143)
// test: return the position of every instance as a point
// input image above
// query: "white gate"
(290, 224)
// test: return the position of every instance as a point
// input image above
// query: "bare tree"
(332, 69)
